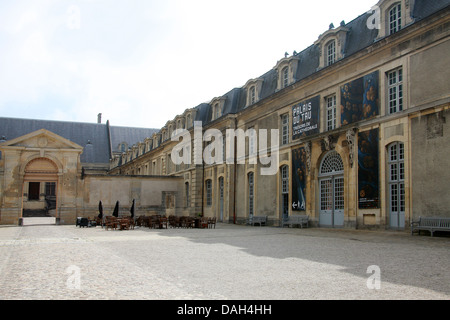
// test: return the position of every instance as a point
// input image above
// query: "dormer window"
(287, 71)
(285, 75)
(252, 95)
(331, 45)
(331, 52)
(253, 88)
(217, 107)
(188, 121)
(217, 111)
(395, 18)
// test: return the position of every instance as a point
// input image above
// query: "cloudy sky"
(142, 62)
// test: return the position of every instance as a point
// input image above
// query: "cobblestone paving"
(229, 262)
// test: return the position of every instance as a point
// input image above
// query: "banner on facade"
(360, 99)
(368, 169)
(299, 179)
(306, 118)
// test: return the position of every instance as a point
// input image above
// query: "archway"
(331, 186)
(40, 185)
(396, 181)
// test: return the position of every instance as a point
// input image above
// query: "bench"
(296, 220)
(258, 220)
(430, 224)
(84, 222)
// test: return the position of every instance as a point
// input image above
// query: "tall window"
(250, 194)
(169, 164)
(285, 74)
(395, 18)
(50, 188)
(252, 142)
(331, 112)
(285, 129)
(224, 148)
(396, 170)
(186, 190)
(208, 192)
(252, 95)
(395, 89)
(284, 180)
(331, 52)
(217, 111)
(285, 191)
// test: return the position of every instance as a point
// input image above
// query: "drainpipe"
(108, 132)
(203, 186)
(235, 174)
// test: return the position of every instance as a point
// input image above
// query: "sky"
(142, 62)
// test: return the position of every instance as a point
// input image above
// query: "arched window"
(396, 178)
(332, 164)
(331, 184)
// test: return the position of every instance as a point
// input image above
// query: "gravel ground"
(47, 262)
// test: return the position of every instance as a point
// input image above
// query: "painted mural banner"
(306, 118)
(298, 179)
(368, 169)
(360, 99)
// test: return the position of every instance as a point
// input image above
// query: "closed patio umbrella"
(116, 210)
(132, 209)
(100, 210)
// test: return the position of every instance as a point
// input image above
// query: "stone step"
(35, 213)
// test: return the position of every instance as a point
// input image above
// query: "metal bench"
(258, 220)
(430, 224)
(302, 220)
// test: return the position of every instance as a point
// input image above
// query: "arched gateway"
(40, 188)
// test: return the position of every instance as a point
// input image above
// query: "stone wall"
(430, 174)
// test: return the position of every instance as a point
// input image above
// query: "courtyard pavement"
(230, 262)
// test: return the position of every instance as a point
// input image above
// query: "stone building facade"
(354, 126)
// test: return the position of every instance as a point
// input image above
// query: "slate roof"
(358, 38)
(95, 138)
(129, 135)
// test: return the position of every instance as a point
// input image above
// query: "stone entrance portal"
(40, 189)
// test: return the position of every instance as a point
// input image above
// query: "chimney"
(99, 118)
